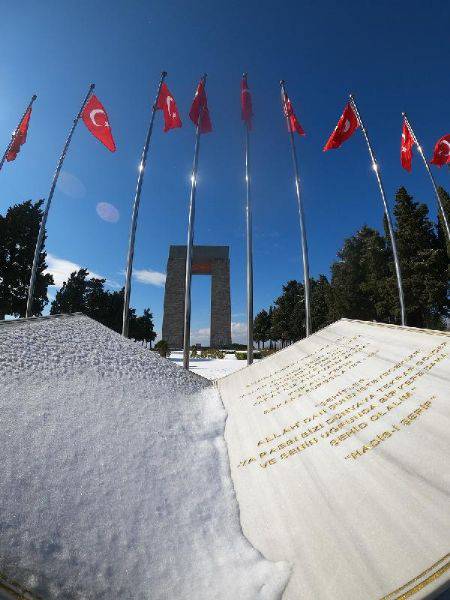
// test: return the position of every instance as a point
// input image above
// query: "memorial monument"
(206, 260)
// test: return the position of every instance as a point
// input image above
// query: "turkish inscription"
(338, 450)
(340, 417)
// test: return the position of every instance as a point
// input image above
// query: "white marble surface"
(339, 451)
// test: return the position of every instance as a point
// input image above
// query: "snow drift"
(115, 476)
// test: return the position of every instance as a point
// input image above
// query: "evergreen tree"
(445, 200)
(261, 327)
(359, 279)
(141, 328)
(271, 338)
(80, 294)
(288, 316)
(321, 303)
(72, 295)
(423, 263)
(18, 234)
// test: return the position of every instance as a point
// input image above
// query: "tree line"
(18, 233)
(362, 284)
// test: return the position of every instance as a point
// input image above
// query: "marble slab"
(339, 451)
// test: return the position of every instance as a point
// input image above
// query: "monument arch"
(206, 260)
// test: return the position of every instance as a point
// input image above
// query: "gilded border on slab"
(418, 583)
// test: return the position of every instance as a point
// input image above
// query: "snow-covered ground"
(115, 478)
(211, 368)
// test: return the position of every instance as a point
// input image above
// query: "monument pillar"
(220, 303)
(172, 328)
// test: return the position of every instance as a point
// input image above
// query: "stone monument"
(206, 260)
(339, 451)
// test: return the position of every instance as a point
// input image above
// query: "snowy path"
(211, 368)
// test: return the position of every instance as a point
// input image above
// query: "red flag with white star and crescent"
(20, 137)
(200, 107)
(293, 123)
(345, 128)
(441, 154)
(406, 147)
(167, 104)
(96, 120)
(246, 103)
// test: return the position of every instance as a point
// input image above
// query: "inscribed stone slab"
(339, 451)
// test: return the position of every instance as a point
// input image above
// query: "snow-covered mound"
(115, 479)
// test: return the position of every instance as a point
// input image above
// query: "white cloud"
(61, 268)
(239, 332)
(200, 336)
(150, 277)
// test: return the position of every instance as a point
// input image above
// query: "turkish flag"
(167, 104)
(345, 128)
(246, 103)
(199, 109)
(19, 137)
(441, 154)
(406, 147)
(96, 120)
(293, 124)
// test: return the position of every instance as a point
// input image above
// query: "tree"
(141, 328)
(288, 315)
(442, 235)
(359, 278)
(271, 338)
(162, 347)
(18, 234)
(72, 295)
(321, 303)
(423, 261)
(81, 294)
(261, 327)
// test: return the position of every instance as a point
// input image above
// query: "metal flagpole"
(134, 216)
(33, 98)
(427, 166)
(40, 238)
(376, 168)
(301, 216)
(190, 244)
(248, 214)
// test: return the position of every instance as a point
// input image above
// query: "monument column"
(172, 328)
(220, 303)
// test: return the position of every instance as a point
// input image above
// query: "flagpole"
(302, 220)
(30, 104)
(249, 231)
(190, 243)
(376, 168)
(427, 166)
(40, 238)
(134, 216)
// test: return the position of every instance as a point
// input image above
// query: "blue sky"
(392, 55)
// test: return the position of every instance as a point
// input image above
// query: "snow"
(211, 368)
(115, 476)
